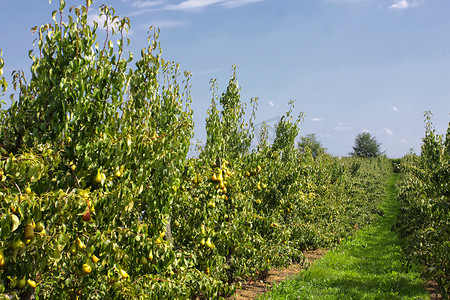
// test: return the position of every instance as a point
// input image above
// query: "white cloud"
(163, 24)
(394, 108)
(206, 72)
(403, 4)
(388, 131)
(152, 5)
(342, 128)
(403, 141)
(316, 119)
(353, 1)
(271, 103)
(101, 22)
(97, 18)
(192, 4)
(147, 4)
(236, 3)
(394, 4)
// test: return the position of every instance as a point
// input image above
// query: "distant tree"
(366, 146)
(310, 141)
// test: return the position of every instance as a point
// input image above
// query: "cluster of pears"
(21, 283)
(221, 178)
(206, 243)
(100, 177)
(27, 236)
(86, 268)
(257, 170)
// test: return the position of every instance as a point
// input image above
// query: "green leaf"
(15, 221)
(63, 4)
(54, 15)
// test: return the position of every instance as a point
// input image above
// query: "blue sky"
(351, 65)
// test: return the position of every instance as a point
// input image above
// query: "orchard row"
(424, 220)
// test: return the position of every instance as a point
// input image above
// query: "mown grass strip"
(367, 266)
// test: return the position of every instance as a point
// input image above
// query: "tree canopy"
(366, 146)
(310, 141)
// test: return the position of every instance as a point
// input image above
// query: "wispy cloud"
(163, 24)
(101, 22)
(236, 3)
(404, 4)
(392, 4)
(271, 103)
(192, 4)
(348, 1)
(148, 4)
(394, 108)
(152, 5)
(364, 2)
(341, 126)
(316, 119)
(388, 131)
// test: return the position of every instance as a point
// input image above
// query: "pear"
(31, 283)
(220, 177)
(124, 273)
(208, 243)
(143, 260)
(98, 178)
(86, 269)
(29, 232)
(80, 245)
(21, 283)
(73, 249)
(94, 258)
(87, 216)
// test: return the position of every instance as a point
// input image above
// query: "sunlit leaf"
(15, 222)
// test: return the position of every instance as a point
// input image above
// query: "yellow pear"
(86, 269)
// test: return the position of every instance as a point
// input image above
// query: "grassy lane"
(366, 266)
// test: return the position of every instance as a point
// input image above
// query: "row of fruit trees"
(424, 194)
(99, 199)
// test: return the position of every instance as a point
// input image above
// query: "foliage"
(396, 164)
(424, 220)
(99, 199)
(310, 141)
(95, 155)
(366, 146)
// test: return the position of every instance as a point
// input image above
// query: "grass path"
(367, 266)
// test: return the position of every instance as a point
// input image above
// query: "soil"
(253, 289)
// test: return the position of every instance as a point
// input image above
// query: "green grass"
(367, 266)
